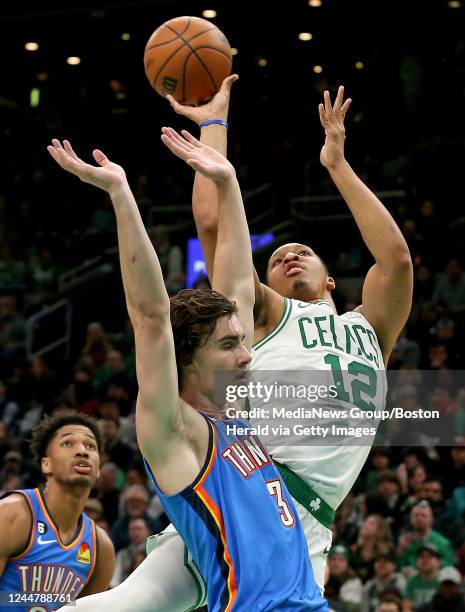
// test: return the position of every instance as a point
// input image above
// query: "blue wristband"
(214, 121)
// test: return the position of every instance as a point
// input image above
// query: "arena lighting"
(262, 62)
(31, 46)
(454, 4)
(317, 69)
(305, 36)
(73, 60)
(125, 36)
(234, 51)
(209, 13)
(314, 3)
(34, 97)
(359, 65)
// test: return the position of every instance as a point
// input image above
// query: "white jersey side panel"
(311, 336)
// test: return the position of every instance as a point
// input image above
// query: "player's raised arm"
(387, 291)
(232, 268)
(158, 406)
(205, 194)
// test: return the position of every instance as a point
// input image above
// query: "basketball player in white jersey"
(296, 328)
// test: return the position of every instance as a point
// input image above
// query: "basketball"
(187, 57)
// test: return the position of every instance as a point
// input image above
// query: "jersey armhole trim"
(95, 542)
(281, 323)
(30, 541)
(204, 471)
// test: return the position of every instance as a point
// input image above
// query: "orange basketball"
(187, 57)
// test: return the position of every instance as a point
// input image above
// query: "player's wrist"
(214, 122)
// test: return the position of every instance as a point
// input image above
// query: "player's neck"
(65, 505)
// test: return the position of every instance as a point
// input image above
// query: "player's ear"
(46, 466)
(330, 283)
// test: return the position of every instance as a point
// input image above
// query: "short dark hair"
(44, 432)
(391, 596)
(194, 313)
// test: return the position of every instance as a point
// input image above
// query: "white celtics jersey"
(339, 357)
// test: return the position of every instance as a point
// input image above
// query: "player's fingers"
(69, 149)
(321, 110)
(51, 149)
(173, 135)
(228, 82)
(176, 106)
(188, 136)
(100, 157)
(61, 157)
(174, 147)
(345, 106)
(56, 143)
(339, 98)
(327, 101)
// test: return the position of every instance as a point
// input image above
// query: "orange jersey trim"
(52, 523)
(95, 549)
(33, 530)
(218, 518)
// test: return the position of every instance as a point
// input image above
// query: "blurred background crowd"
(65, 338)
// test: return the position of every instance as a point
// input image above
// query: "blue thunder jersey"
(238, 521)
(47, 566)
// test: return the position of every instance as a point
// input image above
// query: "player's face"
(295, 271)
(73, 457)
(224, 350)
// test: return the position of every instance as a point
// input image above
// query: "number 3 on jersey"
(275, 489)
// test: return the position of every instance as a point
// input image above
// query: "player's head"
(208, 337)
(296, 271)
(67, 446)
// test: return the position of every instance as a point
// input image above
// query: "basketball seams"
(186, 42)
(166, 62)
(179, 33)
(167, 42)
(184, 68)
(206, 68)
(214, 49)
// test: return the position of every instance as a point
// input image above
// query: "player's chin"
(83, 480)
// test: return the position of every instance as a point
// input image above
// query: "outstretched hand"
(197, 155)
(106, 175)
(217, 108)
(332, 119)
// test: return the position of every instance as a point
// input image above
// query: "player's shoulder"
(356, 314)
(104, 542)
(16, 521)
(16, 505)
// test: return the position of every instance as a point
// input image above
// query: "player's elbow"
(402, 260)
(143, 314)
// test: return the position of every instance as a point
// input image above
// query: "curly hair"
(194, 314)
(44, 432)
